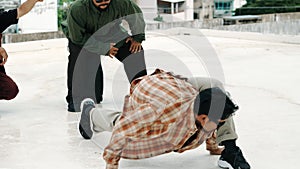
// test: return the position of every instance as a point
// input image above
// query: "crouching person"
(164, 113)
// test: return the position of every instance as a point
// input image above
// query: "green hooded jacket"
(94, 29)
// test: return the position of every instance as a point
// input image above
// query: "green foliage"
(272, 3)
(158, 18)
(63, 6)
(256, 7)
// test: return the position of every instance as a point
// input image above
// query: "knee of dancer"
(14, 90)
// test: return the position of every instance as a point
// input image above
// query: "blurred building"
(168, 10)
(149, 8)
(184, 10)
(204, 9)
(227, 7)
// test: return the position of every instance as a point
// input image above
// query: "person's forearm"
(26, 7)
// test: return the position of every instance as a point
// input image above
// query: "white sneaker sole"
(224, 164)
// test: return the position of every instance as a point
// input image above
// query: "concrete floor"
(260, 71)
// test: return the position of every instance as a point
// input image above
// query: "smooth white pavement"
(260, 71)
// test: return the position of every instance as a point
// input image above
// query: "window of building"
(166, 7)
(223, 5)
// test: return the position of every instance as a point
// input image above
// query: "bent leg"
(8, 88)
(227, 131)
(74, 51)
(99, 84)
(134, 63)
(103, 119)
(87, 78)
(202, 83)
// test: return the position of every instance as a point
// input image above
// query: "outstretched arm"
(26, 7)
(127, 127)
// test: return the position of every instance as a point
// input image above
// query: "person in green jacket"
(94, 28)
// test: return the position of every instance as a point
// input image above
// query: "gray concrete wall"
(280, 17)
(168, 25)
(12, 38)
(283, 23)
(207, 23)
(281, 27)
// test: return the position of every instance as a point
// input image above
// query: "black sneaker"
(85, 122)
(233, 160)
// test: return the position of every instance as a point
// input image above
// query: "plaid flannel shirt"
(157, 118)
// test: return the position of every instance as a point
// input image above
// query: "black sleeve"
(8, 18)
